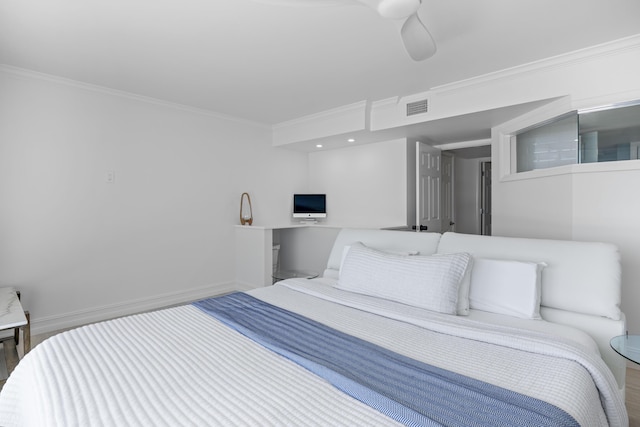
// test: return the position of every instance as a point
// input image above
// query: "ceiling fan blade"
(417, 39)
(393, 9)
(398, 9)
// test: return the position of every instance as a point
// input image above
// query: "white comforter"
(180, 366)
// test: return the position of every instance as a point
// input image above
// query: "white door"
(446, 187)
(428, 176)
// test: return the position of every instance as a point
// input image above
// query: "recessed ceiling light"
(318, 145)
(351, 140)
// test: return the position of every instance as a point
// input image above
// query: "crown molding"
(558, 61)
(25, 73)
(322, 115)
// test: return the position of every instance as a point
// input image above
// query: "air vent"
(418, 107)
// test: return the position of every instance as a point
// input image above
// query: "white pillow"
(345, 251)
(463, 291)
(506, 287)
(463, 288)
(429, 282)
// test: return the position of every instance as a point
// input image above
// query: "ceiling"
(270, 63)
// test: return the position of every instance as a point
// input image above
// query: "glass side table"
(290, 274)
(627, 346)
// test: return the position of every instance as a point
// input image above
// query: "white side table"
(12, 316)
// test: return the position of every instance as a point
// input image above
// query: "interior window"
(547, 145)
(610, 135)
(597, 135)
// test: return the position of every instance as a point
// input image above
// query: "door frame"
(428, 203)
(450, 193)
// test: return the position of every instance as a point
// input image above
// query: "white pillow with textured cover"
(345, 251)
(429, 282)
(506, 287)
(463, 288)
(463, 291)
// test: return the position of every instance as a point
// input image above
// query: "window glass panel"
(549, 145)
(610, 135)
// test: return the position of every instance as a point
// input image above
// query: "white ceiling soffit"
(468, 127)
(273, 63)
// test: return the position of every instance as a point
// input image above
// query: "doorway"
(446, 189)
(471, 192)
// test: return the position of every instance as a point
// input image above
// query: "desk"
(627, 346)
(302, 247)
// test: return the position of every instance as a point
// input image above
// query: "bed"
(401, 329)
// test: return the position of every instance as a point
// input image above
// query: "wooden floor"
(11, 353)
(632, 394)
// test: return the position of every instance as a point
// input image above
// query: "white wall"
(605, 208)
(533, 208)
(80, 248)
(366, 185)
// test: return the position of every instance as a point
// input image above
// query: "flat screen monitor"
(310, 206)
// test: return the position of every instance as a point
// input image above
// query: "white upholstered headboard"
(581, 283)
(583, 277)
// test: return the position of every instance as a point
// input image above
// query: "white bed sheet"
(182, 367)
(538, 325)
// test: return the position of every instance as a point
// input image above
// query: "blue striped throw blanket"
(409, 391)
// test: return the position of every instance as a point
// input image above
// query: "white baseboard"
(95, 314)
(241, 286)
